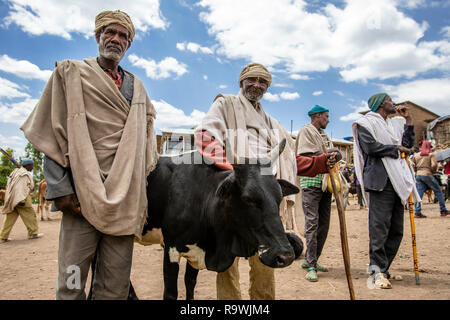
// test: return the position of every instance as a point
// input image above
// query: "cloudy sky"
(332, 53)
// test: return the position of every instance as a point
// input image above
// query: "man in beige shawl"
(316, 200)
(94, 123)
(237, 127)
(18, 202)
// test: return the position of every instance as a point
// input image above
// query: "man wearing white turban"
(94, 123)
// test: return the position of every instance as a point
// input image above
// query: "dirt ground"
(28, 268)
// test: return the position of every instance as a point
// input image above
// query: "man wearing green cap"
(385, 179)
(94, 123)
(18, 202)
(316, 200)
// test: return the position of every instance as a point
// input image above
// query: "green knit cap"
(317, 109)
(376, 100)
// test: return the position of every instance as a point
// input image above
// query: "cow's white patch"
(262, 250)
(195, 256)
(174, 255)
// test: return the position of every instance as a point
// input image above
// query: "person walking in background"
(425, 164)
(18, 202)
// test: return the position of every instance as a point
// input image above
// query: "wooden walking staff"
(413, 229)
(343, 229)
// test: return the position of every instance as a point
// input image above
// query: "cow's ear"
(224, 189)
(287, 188)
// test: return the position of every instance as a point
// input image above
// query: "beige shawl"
(82, 121)
(309, 141)
(18, 188)
(233, 118)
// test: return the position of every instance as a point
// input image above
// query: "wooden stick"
(413, 230)
(343, 229)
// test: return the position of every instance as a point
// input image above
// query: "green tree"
(6, 167)
(34, 154)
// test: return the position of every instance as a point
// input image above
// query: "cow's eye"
(251, 201)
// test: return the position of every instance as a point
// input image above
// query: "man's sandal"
(382, 282)
(321, 268)
(311, 275)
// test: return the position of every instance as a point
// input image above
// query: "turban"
(106, 18)
(254, 70)
(27, 161)
(376, 100)
(317, 109)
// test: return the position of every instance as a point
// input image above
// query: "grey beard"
(252, 96)
(109, 55)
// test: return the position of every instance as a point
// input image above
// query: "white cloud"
(317, 93)
(193, 47)
(62, 18)
(168, 116)
(223, 86)
(446, 31)
(159, 70)
(17, 112)
(363, 40)
(339, 93)
(11, 90)
(299, 77)
(205, 77)
(271, 97)
(14, 142)
(432, 94)
(355, 114)
(289, 95)
(284, 95)
(23, 68)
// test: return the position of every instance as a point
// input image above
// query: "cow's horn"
(275, 153)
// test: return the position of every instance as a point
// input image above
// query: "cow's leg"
(170, 270)
(190, 280)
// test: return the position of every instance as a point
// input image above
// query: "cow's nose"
(285, 259)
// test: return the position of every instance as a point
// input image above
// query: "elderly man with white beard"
(94, 123)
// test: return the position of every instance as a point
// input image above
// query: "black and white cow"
(210, 216)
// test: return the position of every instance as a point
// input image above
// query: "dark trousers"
(316, 207)
(429, 182)
(360, 196)
(385, 228)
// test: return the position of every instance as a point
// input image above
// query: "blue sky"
(332, 53)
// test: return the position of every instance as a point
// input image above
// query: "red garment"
(425, 148)
(115, 76)
(447, 168)
(213, 150)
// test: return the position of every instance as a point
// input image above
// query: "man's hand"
(68, 203)
(404, 149)
(337, 152)
(331, 159)
(404, 112)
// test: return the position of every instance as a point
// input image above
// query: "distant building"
(421, 118)
(176, 141)
(439, 132)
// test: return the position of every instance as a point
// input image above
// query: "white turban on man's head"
(105, 18)
(255, 70)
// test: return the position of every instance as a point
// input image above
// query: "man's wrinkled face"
(388, 105)
(324, 119)
(113, 42)
(254, 88)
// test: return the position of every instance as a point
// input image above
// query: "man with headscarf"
(237, 127)
(386, 180)
(425, 164)
(94, 123)
(316, 199)
(18, 202)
